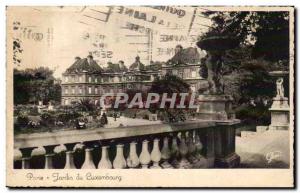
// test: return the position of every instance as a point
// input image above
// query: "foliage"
(267, 32)
(22, 120)
(169, 84)
(33, 85)
(86, 105)
(67, 116)
(263, 46)
(254, 115)
(47, 119)
(103, 119)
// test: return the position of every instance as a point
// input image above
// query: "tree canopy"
(33, 85)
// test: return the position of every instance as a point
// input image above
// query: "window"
(66, 90)
(90, 90)
(80, 90)
(180, 73)
(96, 90)
(80, 78)
(193, 88)
(73, 90)
(66, 101)
(116, 79)
(174, 72)
(90, 79)
(193, 73)
(73, 78)
(66, 79)
(169, 72)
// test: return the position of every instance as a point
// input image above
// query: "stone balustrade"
(193, 144)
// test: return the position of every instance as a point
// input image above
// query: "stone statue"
(279, 87)
(214, 75)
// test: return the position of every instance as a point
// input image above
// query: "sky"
(53, 36)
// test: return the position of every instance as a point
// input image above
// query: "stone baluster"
(119, 161)
(166, 154)
(202, 161)
(145, 157)
(26, 156)
(88, 161)
(191, 148)
(174, 151)
(133, 159)
(104, 163)
(183, 150)
(155, 155)
(49, 156)
(70, 156)
(198, 146)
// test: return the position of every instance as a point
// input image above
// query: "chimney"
(77, 58)
(178, 49)
(89, 58)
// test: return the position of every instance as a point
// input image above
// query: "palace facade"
(86, 79)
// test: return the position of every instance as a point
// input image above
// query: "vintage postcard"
(150, 96)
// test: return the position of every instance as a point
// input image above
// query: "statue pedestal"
(220, 140)
(279, 114)
(215, 107)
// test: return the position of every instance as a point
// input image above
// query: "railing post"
(119, 161)
(133, 159)
(145, 157)
(166, 154)
(225, 147)
(49, 156)
(210, 147)
(104, 163)
(155, 155)
(26, 156)
(70, 156)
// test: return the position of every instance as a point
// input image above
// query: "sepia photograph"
(100, 96)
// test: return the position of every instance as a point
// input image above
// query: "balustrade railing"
(164, 146)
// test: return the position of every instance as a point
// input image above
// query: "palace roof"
(116, 68)
(137, 65)
(82, 65)
(185, 56)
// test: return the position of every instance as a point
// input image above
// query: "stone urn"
(215, 105)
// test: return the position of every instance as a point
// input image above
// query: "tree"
(32, 85)
(169, 84)
(263, 44)
(267, 32)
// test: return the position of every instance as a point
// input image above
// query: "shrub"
(47, 119)
(254, 115)
(22, 120)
